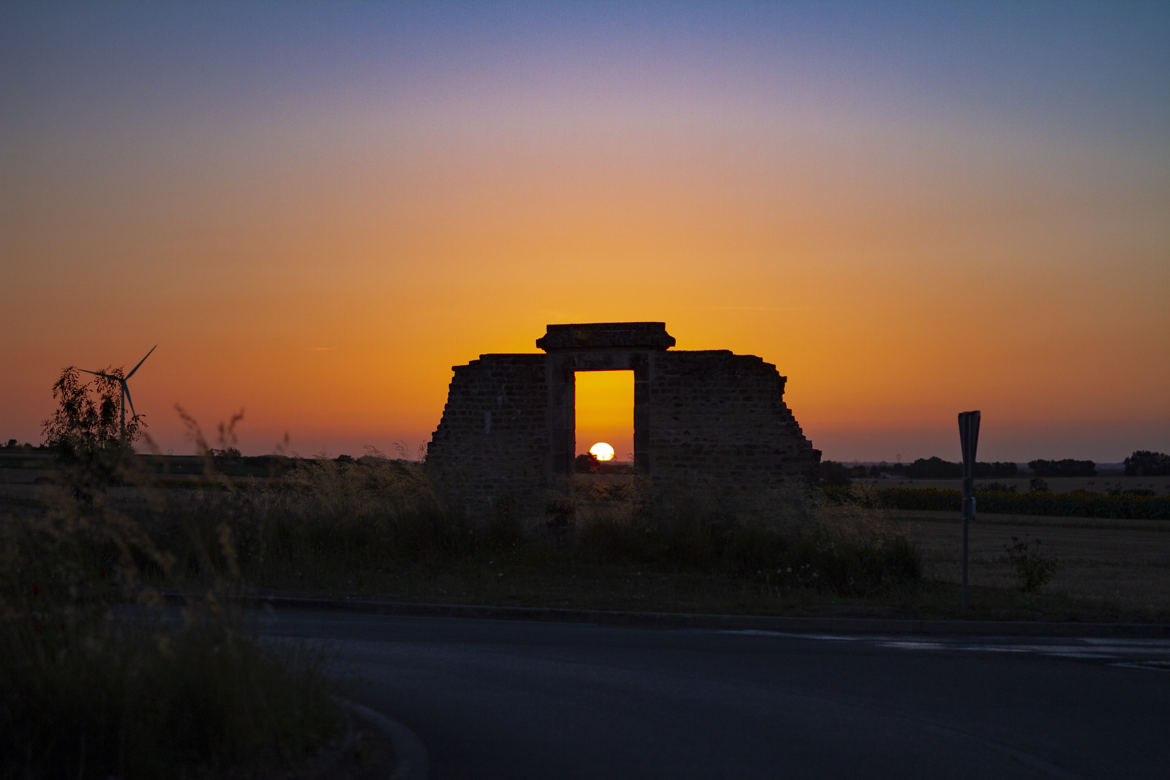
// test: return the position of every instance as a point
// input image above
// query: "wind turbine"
(125, 388)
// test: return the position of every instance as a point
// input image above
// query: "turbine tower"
(125, 388)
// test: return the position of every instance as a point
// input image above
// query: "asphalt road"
(494, 698)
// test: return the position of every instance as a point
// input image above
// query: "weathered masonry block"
(708, 422)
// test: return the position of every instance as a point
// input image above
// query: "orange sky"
(315, 232)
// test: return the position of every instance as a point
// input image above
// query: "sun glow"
(601, 451)
(604, 409)
(716, 172)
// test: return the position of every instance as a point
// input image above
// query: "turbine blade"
(140, 362)
(98, 373)
(126, 392)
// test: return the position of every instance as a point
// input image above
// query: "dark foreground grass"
(373, 529)
(97, 679)
(115, 700)
(87, 692)
(376, 527)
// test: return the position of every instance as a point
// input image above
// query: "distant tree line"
(1143, 463)
(587, 463)
(1079, 503)
(13, 446)
(1062, 468)
(937, 468)
(834, 473)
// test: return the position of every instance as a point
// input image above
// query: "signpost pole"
(968, 440)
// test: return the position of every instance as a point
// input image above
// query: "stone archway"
(708, 420)
(621, 346)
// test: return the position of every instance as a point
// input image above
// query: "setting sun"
(601, 451)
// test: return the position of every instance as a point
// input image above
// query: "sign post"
(968, 440)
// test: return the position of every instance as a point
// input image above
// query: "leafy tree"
(934, 468)
(586, 463)
(1033, 568)
(834, 473)
(996, 469)
(1143, 463)
(1067, 467)
(877, 469)
(86, 434)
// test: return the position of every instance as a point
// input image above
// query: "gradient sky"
(317, 208)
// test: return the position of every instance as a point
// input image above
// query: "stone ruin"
(705, 422)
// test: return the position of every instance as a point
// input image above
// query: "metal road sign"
(968, 440)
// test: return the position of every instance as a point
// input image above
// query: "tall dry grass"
(99, 679)
(795, 542)
(318, 523)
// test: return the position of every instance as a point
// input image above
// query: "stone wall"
(489, 452)
(707, 424)
(720, 433)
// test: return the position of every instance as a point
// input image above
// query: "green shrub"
(1033, 568)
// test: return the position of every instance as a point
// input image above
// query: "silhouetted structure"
(704, 421)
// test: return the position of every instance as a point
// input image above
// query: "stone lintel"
(606, 335)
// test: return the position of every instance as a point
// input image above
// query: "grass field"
(1120, 566)
(1104, 568)
(1104, 571)
(1104, 483)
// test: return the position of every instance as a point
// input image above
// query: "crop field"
(1124, 565)
(1117, 498)
(1102, 483)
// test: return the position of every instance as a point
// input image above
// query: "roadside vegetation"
(98, 677)
(373, 525)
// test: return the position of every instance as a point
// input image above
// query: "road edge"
(796, 625)
(411, 760)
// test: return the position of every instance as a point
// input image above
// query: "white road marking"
(1145, 654)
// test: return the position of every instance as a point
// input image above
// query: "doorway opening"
(604, 415)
